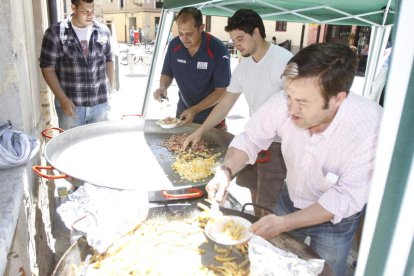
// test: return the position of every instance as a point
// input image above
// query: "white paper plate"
(163, 125)
(214, 230)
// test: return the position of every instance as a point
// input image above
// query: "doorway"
(132, 22)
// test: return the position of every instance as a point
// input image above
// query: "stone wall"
(25, 101)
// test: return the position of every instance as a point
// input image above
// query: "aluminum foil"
(267, 259)
(102, 214)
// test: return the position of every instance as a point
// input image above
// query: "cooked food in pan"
(176, 141)
(168, 246)
(194, 164)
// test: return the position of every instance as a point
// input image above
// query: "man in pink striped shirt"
(329, 140)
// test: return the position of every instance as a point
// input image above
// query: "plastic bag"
(103, 214)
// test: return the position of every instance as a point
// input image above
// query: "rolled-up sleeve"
(109, 52)
(49, 54)
(265, 124)
(243, 142)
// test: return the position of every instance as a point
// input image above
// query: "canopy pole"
(302, 35)
(167, 19)
(377, 44)
(386, 246)
(386, 11)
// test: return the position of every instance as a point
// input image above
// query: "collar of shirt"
(102, 38)
(201, 48)
(327, 133)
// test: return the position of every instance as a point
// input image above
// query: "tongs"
(165, 99)
(214, 210)
(214, 228)
(165, 102)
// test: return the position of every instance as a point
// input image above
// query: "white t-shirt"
(258, 81)
(84, 35)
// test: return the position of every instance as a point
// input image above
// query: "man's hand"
(52, 80)
(160, 94)
(68, 107)
(272, 225)
(269, 226)
(217, 187)
(193, 139)
(187, 116)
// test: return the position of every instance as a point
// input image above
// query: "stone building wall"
(26, 102)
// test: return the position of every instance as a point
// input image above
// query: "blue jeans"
(83, 115)
(330, 241)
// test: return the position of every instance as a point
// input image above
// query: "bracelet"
(227, 169)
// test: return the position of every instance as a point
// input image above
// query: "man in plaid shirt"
(76, 62)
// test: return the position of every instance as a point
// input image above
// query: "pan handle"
(130, 115)
(191, 193)
(44, 132)
(37, 170)
(265, 158)
(255, 205)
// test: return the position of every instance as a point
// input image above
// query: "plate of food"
(228, 230)
(168, 122)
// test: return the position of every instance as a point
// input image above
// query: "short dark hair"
(333, 64)
(77, 2)
(192, 12)
(246, 20)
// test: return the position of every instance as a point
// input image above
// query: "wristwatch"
(226, 169)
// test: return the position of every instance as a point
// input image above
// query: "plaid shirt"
(83, 79)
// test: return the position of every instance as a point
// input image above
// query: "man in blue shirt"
(200, 64)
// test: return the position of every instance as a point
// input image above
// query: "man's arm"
(218, 113)
(213, 98)
(53, 82)
(235, 160)
(110, 72)
(259, 133)
(161, 92)
(271, 225)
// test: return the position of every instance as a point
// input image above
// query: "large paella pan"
(80, 251)
(125, 154)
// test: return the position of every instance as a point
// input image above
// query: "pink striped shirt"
(334, 167)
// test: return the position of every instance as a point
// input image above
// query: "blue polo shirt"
(197, 76)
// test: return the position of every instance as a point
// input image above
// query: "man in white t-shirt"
(258, 77)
